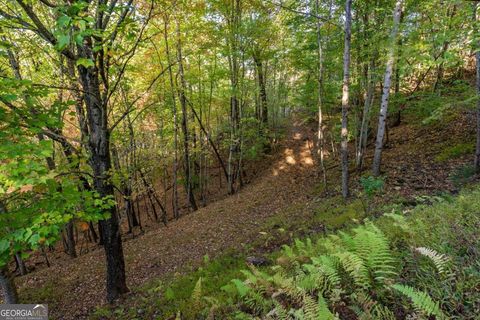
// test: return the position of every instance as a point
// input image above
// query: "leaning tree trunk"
(386, 90)
(21, 264)
(345, 97)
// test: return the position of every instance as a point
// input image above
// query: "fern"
(311, 308)
(197, 292)
(278, 313)
(324, 312)
(328, 267)
(373, 247)
(421, 301)
(197, 295)
(355, 267)
(399, 221)
(256, 301)
(380, 312)
(439, 260)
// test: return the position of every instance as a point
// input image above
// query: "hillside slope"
(227, 224)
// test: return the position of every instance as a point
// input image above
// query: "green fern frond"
(328, 267)
(380, 312)
(197, 295)
(439, 260)
(288, 251)
(278, 313)
(257, 302)
(399, 221)
(311, 308)
(355, 267)
(311, 280)
(324, 312)
(421, 301)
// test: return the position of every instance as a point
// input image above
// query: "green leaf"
(169, 294)
(9, 97)
(63, 41)
(242, 288)
(63, 21)
(4, 245)
(87, 63)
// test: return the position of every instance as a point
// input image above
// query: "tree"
(477, 61)
(320, 134)
(184, 124)
(83, 41)
(345, 97)
(386, 89)
(7, 287)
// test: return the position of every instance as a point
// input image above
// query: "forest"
(240, 159)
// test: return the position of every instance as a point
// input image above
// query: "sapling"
(372, 186)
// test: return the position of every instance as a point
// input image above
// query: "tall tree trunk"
(446, 44)
(131, 171)
(234, 21)
(7, 286)
(263, 90)
(477, 60)
(70, 239)
(386, 90)
(345, 97)
(320, 136)
(362, 140)
(183, 104)
(175, 124)
(100, 162)
(126, 190)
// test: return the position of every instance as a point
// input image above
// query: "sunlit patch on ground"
(289, 156)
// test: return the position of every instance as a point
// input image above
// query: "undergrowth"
(416, 264)
(419, 263)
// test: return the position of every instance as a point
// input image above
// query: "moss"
(161, 300)
(50, 293)
(455, 151)
(336, 213)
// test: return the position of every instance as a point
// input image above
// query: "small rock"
(258, 261)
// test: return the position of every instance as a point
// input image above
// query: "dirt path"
(75, 287)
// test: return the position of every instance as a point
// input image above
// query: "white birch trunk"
(386, 89)
(345, 97)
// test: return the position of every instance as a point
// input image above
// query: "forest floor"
(288, 193)
(72, 288)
